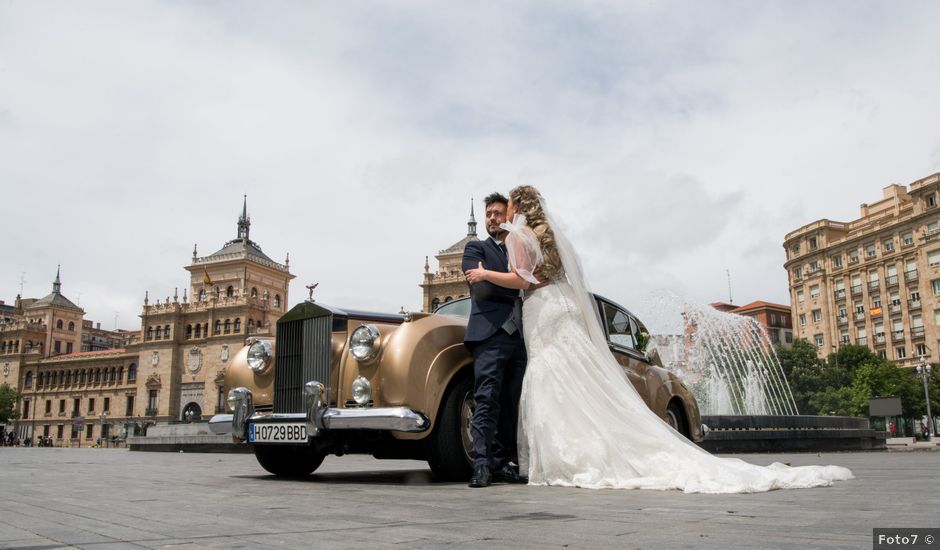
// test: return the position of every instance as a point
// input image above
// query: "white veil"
(574, 274)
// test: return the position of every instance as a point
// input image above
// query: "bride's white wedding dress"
(582, 423)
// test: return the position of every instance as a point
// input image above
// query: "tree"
(9, 398)
(883, 379)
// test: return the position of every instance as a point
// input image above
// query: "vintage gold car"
(393, 386)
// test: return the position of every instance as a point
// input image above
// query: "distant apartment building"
(774, 318)
(874, 281)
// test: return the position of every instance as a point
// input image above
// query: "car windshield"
(455, 308)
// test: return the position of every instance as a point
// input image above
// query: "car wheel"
(288, 460)
(676, 418)
(451, 443)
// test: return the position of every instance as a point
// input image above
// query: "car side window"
(620, 327)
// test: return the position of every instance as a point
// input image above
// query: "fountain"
(731, 367)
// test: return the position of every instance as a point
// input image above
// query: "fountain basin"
(789, 433)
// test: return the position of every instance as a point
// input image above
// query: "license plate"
(278, 433)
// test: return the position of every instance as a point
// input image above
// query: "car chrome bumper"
(318, 417)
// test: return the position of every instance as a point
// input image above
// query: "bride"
(581, 422)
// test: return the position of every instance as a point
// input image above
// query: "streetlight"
(103, 415)
(923, 369)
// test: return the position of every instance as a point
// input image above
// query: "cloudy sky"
(676, 140)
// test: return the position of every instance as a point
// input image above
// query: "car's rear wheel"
(289, 460)
(675, 417)
(451, 443)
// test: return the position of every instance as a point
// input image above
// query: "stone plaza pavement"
(114, 498)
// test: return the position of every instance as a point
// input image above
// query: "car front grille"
(302, 354)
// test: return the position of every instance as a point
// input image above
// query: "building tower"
(448, 282)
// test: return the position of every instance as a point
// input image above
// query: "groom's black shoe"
(508, 474)
(481, 477)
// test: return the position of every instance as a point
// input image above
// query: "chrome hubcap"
(466, 415)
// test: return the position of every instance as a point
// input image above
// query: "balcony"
(862, 341)
(150, 412)
(897, 336)
(917, 332)
(874, 285)
(842, 319)
(880, 338)
(840, 294)
(910, 275)
(859, 315)
(892, 281)
(856, 290)
(913, 304)
(907, 242)
(853, 260)
(895, 307)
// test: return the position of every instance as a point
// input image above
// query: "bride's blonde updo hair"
(528, 202)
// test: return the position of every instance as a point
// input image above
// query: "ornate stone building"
(448, 282)
(169, 371)
(186, 344)
(873, 281)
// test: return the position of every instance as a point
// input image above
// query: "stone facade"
(448, 282)
(170, 371)
(874, 281)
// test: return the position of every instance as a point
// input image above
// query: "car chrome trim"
(243, 410)
(221, 424)
(319, 417)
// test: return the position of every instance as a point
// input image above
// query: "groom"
(494, 338)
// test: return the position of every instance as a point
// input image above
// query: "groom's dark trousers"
(494, 337)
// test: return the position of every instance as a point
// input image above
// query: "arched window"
(189, 332)
(217, 292)
(120, 378)
(3, 347)
(149, 333)
(254, 292)
(218, 326)
(72, 326)
(238, 325)
(229, 292)
(113, 377)
(39, 380)
(55, 378)
(228, 326)
(251, 324)
(29, 345)
(205, 329)
(277, 300)
(132, 373)
(97, 376)
(166, 331)
(68, 378)
(435, 303)
(29, 379)
(198, 330)
(448, 299)
(202, 295)
(58, 324)
(84, 377)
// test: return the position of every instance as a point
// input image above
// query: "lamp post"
(103, 415)
(924, 369)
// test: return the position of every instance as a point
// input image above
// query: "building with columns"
(169, 371)
(873, 281)
(448, 282)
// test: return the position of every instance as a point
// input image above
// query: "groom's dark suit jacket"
(491, 305)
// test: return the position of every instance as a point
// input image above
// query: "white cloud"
(676, 140)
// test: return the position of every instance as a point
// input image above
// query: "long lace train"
(583, 424)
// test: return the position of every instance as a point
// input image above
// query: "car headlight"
(232, 399)
(364, 342)
(259, 355)
(361, 390)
